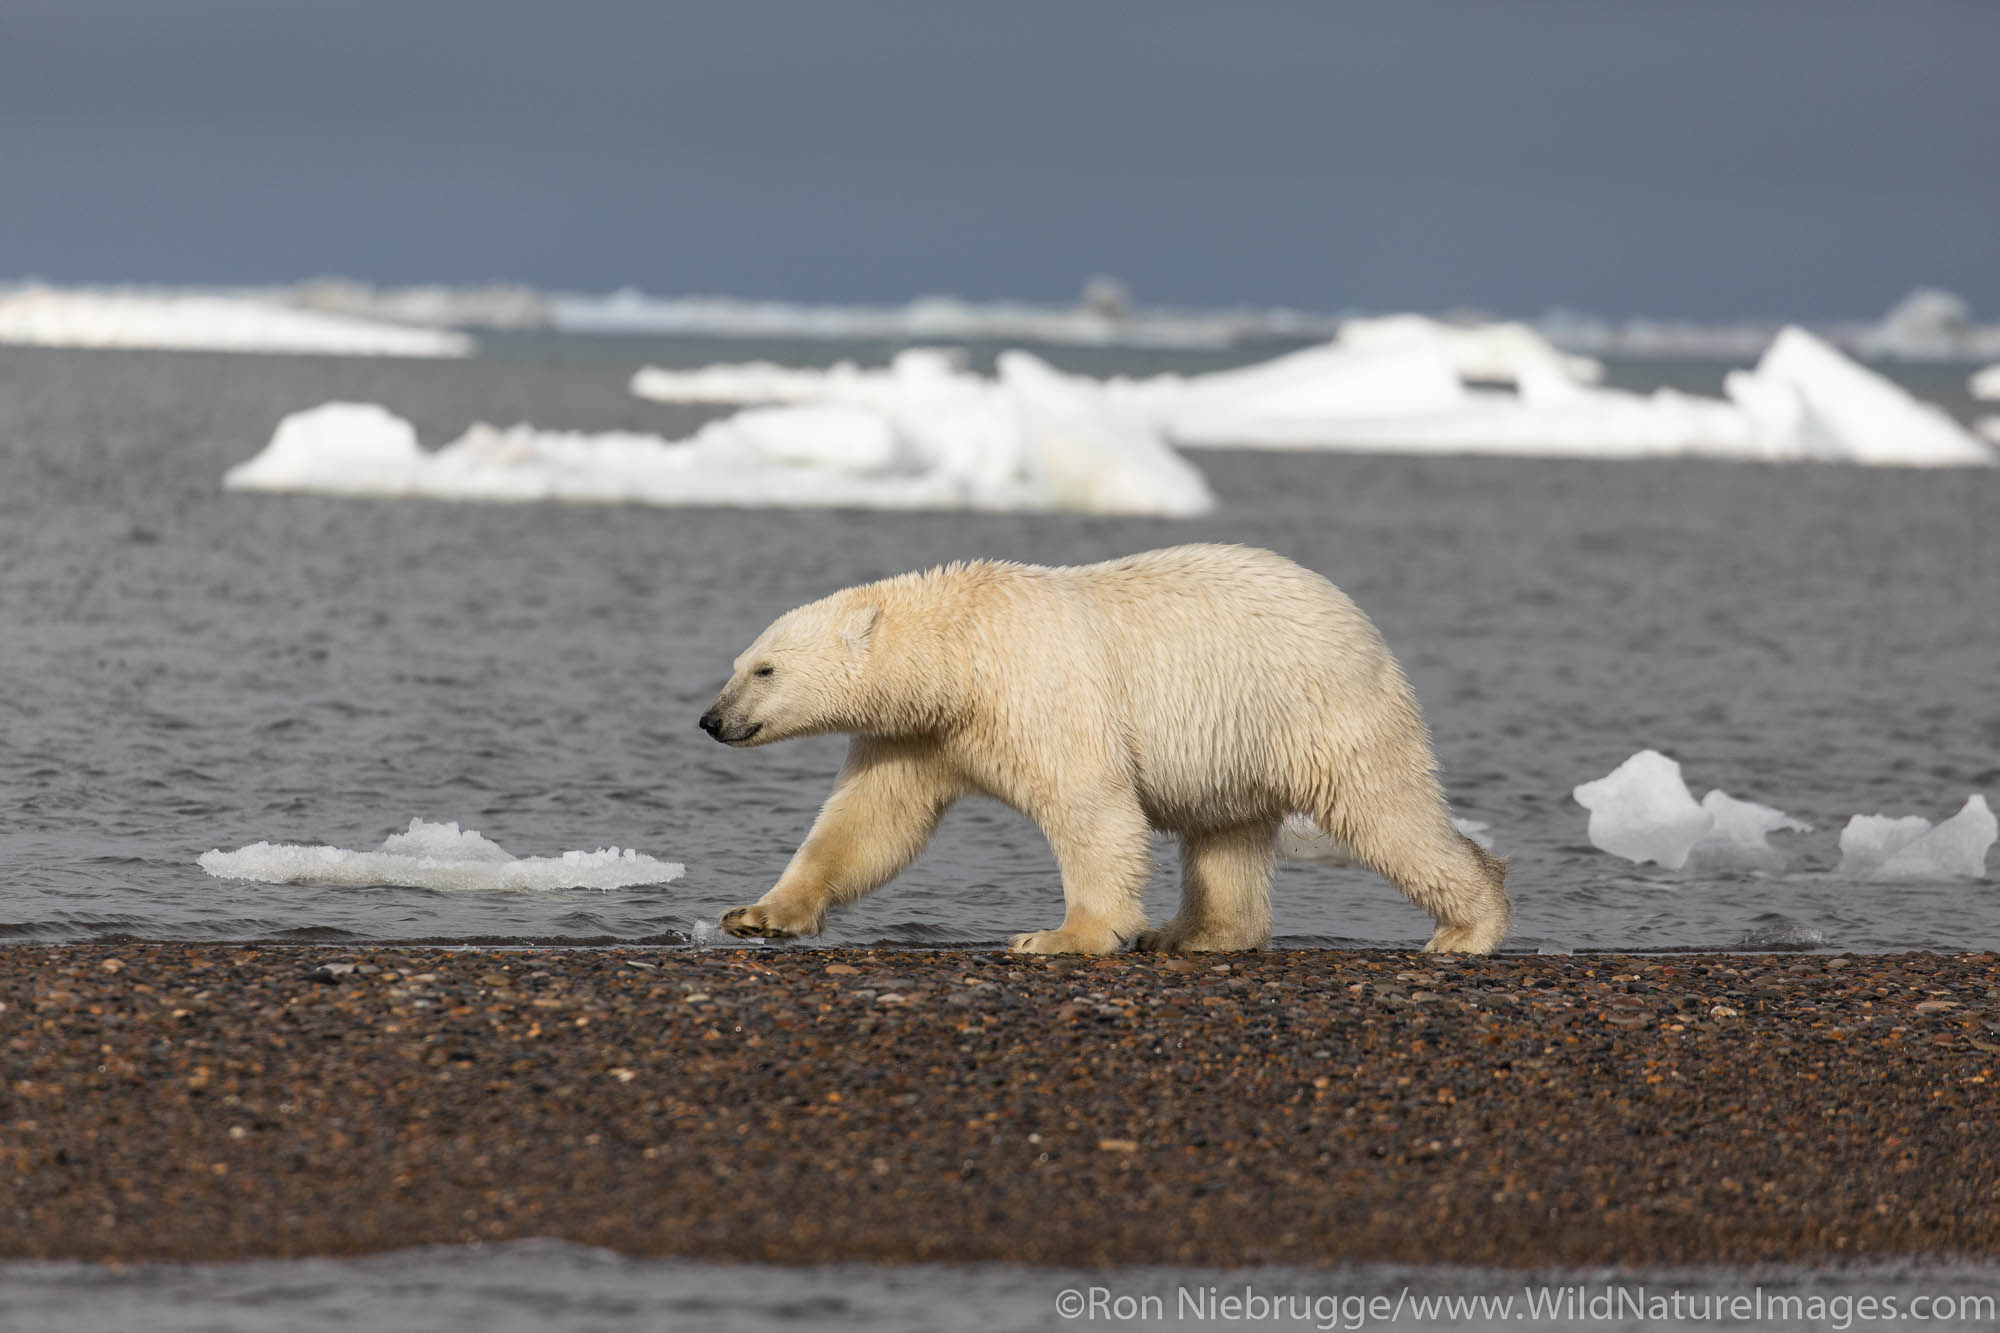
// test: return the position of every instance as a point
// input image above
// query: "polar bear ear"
(859, 628)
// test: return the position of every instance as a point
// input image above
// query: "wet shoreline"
(206, 1102)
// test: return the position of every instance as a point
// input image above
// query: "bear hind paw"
(1177, 938)
(1481, 937)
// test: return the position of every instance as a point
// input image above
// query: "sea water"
(194, 671)
(534, 1286)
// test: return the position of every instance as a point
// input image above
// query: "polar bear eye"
(766, 670)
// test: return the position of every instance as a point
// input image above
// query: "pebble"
(1304, 1108)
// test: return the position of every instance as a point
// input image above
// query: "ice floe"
(1803, 401)
(1412, 385)
(1032, 440)
(49, 317)
(1100, 319)
(1912, 848)
(1642, 811)
(438, 856)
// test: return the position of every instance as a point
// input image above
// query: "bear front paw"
(760, 922)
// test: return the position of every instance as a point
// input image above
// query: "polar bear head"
(804, 676)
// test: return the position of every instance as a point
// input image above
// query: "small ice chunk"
(1778, 931)
(1642, 811)
(445, 842)
(438, 856)
(1738, 840)
(339, 448)
(1880, 847)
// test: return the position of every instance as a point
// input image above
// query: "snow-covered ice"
(1033, 440)
(1882, 847)
(1642, 811)
(1410, 385)
(48, 317)
(438, 856)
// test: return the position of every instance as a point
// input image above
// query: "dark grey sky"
(1687, 157)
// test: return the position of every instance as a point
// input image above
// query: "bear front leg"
(1101, 847)
(1225, 892)
(884, 807)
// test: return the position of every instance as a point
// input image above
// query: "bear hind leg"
(1413, 845)
(1225, 892)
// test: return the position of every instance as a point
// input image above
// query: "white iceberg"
(438, 856)
(1985, 383)
(1642, 811)
(1030, 441)
(48, 317)
(1880, 847)
(1811, 402)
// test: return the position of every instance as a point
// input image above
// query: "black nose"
(711, 722)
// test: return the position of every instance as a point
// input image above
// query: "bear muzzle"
(713, 723)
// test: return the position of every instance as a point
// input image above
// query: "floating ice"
(438, 856)
(1643, 811)
(1812, 402)
(927, 319)
(913, 372)
(1781, 932)
(1985, 383)
(1300, 839)
(46, 317)
(1879, 847)
(1804, 401)
(1738, 839)
(1032, 441)
(1498, 352)
(1411, 385)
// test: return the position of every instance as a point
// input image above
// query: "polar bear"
(1206, 691)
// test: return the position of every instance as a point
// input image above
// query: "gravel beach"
(174, 1101)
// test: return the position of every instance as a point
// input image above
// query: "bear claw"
(750, 923)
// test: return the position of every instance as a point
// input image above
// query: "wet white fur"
(1203, 690)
